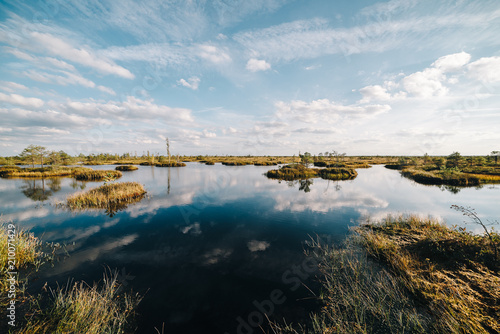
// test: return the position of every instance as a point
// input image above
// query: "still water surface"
(208, 243)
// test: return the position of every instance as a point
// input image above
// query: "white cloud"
(325, 111)
(39, 38)
(48, 119)
(255, 65)
(68, 78)
(213, 54)
(11, 87)
(107, 90)
(376, 92)
(485, 69)
(86, 57)
(191, 83)
(18, 100)
(426, 83)
(208, 134)
(453, 62)
(313, 38)
(422, 84)
(131, 108)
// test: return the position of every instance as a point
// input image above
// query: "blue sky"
(400, 77)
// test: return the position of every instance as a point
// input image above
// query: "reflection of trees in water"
(78, 184)
(36, 189)
(451, 189)
(338, 187)
(112, 208)
(304, 185)
(54, 184)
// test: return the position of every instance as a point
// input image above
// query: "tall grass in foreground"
(426, 278)
(106, 195)
(454, 273)
(84, 309)
(359, 296)
(27, 253)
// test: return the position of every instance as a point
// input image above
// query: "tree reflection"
(78, 184)
(451, 189)
(36, 190)
(305, 185)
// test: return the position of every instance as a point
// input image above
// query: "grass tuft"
(126, 168)
(300, 172)
(106, 195)
(171, 164)
(96, 175)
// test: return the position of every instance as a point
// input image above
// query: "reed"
(126, 168)
(107, 195)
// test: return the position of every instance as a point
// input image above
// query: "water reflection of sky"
(208, 240)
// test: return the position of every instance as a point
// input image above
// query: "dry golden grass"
(45, 172)
(126, 168)
(455, 274)
(27, 253)
(407, 275)
(300, 172)
(171, 164)
(96, 175)
(83, 309)
(106, 195)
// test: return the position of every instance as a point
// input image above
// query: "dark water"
(213, 247)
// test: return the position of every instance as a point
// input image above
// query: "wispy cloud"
(19, 100)
(306, 39)
(191, 83)
(33, 38)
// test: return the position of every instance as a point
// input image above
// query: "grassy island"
(453, 170)
(300, 172)
(45, 172)
(96, 175)
(79, 173)
(107, 195)
(126, 168)
(408, 275)
(171, 164)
